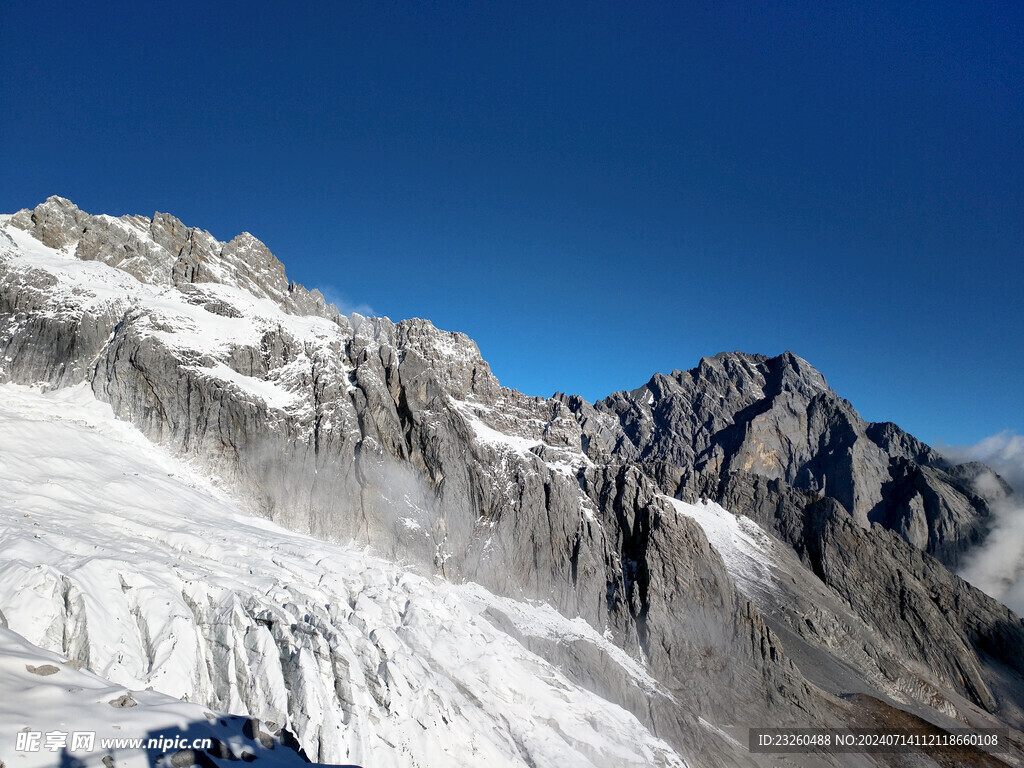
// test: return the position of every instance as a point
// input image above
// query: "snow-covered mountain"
(455, 572)
(136, 567)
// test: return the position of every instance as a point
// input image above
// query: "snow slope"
(745, 548)
(63, 715)
(125, 560)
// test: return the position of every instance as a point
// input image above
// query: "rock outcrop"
(777, 418)
(398, 436)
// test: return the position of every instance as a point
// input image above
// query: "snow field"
(128, 561)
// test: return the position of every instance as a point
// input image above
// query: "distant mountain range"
(724, 548)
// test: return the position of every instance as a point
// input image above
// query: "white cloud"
(997, 566)
(1005, 454)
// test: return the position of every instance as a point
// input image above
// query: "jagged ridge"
(398, 435)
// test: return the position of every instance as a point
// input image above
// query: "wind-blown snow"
(124, 559)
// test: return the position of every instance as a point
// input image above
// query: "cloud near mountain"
(997, 566)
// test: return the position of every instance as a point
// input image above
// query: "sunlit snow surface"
(56, 706)
(745, 548)
(116, 555)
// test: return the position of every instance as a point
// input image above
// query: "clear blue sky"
(593, 191)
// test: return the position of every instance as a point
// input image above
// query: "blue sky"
(593, 191)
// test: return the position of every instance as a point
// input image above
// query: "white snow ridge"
(120, 560)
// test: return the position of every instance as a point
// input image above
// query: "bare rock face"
(777, 418)
(923, 621)
(398, 436)
(55, 223)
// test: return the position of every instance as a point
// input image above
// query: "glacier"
(131, 563)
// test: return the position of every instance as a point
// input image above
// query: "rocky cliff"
(397, 435)
(777, 418)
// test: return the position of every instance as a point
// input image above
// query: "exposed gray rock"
(909, 600)
(56, 223)
(124, 701)
(162, 250)
(399, 436)
(777, 418)
(43, 669)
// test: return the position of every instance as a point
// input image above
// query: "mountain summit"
(777, 418)
(733, 545)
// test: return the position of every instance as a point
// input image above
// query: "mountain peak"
(53, 222)
(162, 250)
(397, 436)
